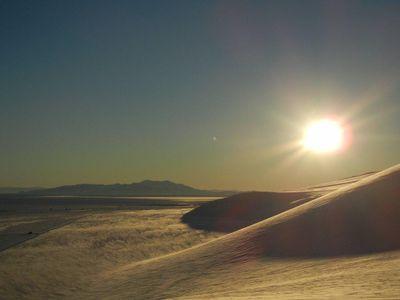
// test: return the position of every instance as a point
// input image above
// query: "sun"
(323, 136)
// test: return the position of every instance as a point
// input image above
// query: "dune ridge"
(243, 209)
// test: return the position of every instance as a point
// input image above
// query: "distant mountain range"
(144, 188)
(14, 190)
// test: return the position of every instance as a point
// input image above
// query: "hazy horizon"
(212, 94)
(206, 188)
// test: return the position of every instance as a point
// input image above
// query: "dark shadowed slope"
(361, 218)
(241, 210)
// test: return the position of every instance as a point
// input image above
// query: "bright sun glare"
(323, 136)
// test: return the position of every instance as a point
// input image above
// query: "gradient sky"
(207, 93)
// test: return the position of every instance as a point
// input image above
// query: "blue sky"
(120, 91)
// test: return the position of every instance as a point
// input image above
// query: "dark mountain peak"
(143, 188)
(150, 181)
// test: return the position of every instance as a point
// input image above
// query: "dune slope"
(241, 210)
(361, 218)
